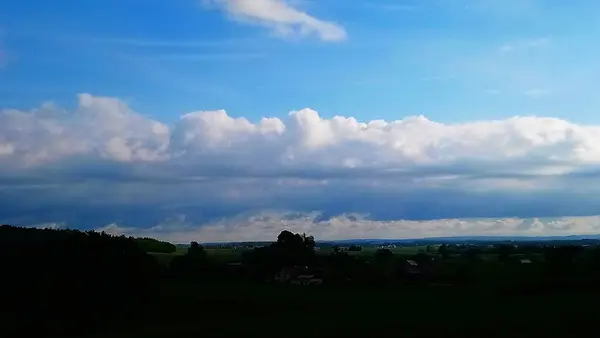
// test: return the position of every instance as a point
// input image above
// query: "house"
(411, 270)
(298, 275)
(308, 279)
(411, 267)
(284, 275)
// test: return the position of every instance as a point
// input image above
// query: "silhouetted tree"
(444, 251)
(196, 250)
(289, 250)
(153, 245)
(261, 263)
(294, 249)
(193, 264)
(68, 280)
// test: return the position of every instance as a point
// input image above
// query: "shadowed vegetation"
(73, 283)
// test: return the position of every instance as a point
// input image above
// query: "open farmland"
(229, 254)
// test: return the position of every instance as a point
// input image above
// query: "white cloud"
(107, 128)
(282, 17)
(103, 163)
(55, 226)
(266, 227)
(103, 127)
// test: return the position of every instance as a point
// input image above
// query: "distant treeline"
(154, 245)
(66, 281)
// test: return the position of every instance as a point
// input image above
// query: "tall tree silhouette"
(193, 264)
(294, 249)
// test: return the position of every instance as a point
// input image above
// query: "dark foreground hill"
(84, 284)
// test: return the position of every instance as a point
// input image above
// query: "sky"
(230, 120)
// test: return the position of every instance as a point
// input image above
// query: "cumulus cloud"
(102, 163)
(280, 16)
(304, 143)
(101, 127)
(54, 226)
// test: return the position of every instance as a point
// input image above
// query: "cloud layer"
(266, 227)
(301, 144)
(281, 17)
(103, 164)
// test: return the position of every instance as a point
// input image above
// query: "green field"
(230, 255)
(370, 250)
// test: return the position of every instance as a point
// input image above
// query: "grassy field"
(229, 255)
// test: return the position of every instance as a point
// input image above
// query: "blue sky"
(233, 119)
(449, 60)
